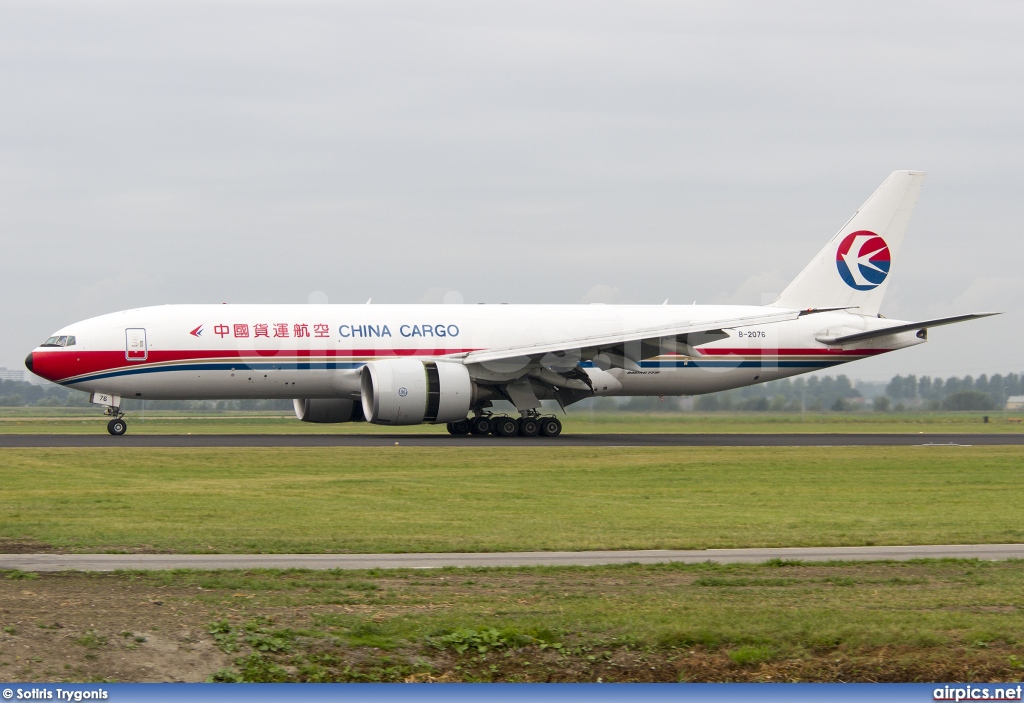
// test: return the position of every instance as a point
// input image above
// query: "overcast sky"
(566, 152)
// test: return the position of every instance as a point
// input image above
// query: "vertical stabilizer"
(853, 269)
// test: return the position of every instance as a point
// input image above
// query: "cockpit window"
(70, 342)
(62, 341)
(51, 342)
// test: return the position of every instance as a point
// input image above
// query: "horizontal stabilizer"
(903, 327)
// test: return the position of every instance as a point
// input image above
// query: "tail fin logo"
(863, 260)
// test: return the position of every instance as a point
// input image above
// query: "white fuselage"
(317, 351)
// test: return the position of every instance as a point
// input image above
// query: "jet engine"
(328, 410)
(412, 391)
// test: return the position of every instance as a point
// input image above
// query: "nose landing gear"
(117, 426)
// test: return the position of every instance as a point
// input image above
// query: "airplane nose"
(28, 361)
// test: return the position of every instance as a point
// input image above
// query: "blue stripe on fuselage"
(225, 366)
(343, 365)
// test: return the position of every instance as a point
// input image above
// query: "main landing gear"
(550, 426)
(505, 426)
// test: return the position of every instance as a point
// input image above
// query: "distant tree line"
(967, 393)
(18, 393)
(22, 393)
(838, 393)
(901, 393)
(788, 395)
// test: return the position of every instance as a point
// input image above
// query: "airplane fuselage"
(317, 351)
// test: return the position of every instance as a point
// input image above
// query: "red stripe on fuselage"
(741, 351)
(67, 363)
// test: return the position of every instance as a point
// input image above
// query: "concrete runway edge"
(115, 562)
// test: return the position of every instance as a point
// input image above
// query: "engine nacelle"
(328, 410)
(412, 391)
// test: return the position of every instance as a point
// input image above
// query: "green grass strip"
(403, 499)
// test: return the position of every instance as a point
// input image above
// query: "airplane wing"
(628, 347)
(905, 327)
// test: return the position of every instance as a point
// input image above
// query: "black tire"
(117, 427)
(480, 425)
(504, 426)
(529, 427)
(550, 426)
(459, 427)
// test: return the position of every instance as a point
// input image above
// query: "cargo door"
(135, 344)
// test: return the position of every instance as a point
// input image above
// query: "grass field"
(91, 421)
(398, 499)
(918, 621)
(928, 621)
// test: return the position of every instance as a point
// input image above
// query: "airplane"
(412, 364)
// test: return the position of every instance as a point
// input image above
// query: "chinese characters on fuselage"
(243, 330)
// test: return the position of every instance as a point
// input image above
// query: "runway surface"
(113, 562)
(569, 440)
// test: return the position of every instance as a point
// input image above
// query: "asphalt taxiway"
(567, 440)
(114, 562)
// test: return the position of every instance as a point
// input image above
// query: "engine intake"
(412, 391)
(328, 410)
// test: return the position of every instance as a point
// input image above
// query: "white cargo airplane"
(412, 364)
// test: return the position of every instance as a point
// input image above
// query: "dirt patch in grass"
(78, 627)
(15, 546)
(943, 620)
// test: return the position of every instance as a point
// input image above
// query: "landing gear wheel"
(504, 426)
(550, 426)
(459, 427)
(529, 427)
(117, 427)
(480, 425)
